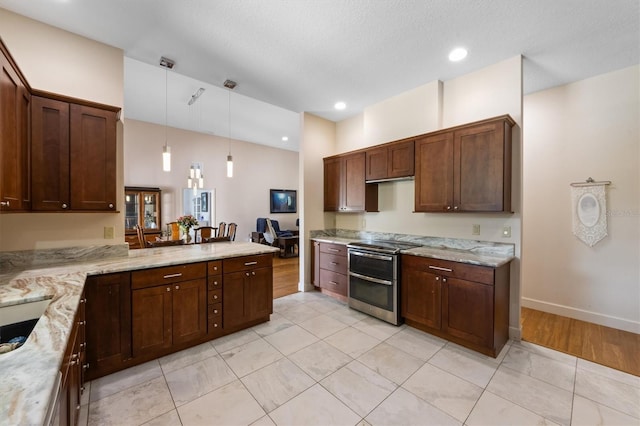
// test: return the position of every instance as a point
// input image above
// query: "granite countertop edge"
(454, 255)
(28, 374)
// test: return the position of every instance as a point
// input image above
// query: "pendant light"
(166, 149)
(230, 85)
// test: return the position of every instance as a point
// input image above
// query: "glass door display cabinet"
(142, 207)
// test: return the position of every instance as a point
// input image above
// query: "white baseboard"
(583, 315)
(515, 333)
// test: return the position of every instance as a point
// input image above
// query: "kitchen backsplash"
(29, 258)
(475, 246)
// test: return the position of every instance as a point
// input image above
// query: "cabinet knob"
(77, 407)
(177, 287)
(83, 300)
(215, 296)
(215, 325)
(253, 273)
(5, 204)
(81, 322)
(64, 205)
(215, 311)
(455, 207)
(448, 207)
(110, 205)
(168, 288)
(444, 280)
(437, 278)
(246, 273)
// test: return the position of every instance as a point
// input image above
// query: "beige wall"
(240, 199)
(492, 91)
(318, 141)
(58, 61)
(586, 129)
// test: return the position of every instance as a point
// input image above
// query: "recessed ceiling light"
(458, 54)
(285, 138)
(340, 105)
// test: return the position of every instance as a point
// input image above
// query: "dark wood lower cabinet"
(108, 315)
(248, 290)
(134, 317)
(464, 303)
(67, 409)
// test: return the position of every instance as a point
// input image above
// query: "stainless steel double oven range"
(374, 278)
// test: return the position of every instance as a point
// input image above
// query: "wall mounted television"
(283, 201)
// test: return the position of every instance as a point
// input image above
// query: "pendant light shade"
(229, 166)
(166, 149)
(230, 85)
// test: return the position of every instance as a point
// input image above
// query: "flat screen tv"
(283, 200)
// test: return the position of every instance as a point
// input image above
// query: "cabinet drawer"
(214, 310)
(214, 296)
(247, 262)
(480, 274)
(336, 249)
(333, 281)
(214, 267)
(168, 274)
(333, 263)
(214, 282)
(215, 325)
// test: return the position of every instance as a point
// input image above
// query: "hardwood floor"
(285, 276)
(603, 345)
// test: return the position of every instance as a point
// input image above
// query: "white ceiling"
(289, 56)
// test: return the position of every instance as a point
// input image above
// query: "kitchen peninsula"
(29, 381)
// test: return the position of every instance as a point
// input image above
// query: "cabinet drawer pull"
(250, 263)
(5, 204)
(173, 275)
(332, 249)
(438, 268)
(333, 283)
(334, 263)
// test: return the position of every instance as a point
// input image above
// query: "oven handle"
(374, 280)
(372, 256)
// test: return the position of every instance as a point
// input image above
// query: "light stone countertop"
(451, 254)
(28, 374)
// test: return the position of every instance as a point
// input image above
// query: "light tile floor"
(317, 362)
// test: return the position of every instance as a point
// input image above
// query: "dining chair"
(141, 240)
(231, 231)
(204, 232)
(221, 229)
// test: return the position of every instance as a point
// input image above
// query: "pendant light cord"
(229, 122)
(166, 104)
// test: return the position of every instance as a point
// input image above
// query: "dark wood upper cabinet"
(14, 135)
(465, 169)
(73, 156)
(93, 158)
(56, 153)
(390, 161)
(50, 154)
(345, 189)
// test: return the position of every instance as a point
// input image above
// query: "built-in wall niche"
(201, 204)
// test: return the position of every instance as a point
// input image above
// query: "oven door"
(371, 291)
(374, 265)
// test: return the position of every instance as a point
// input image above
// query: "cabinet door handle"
(64, 205)
(444, 280)
(110, 205)
(334, 263)
(173, 275)
(448, 207)
(455, 207)
(168, 288)
(437, 278)
(215, 296)
(438, 268)
(5, 204)
(253, 273)
(83, 300)
(246, 273)
(250, 263)
(215, 311)
(177, 287)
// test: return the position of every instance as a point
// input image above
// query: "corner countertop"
(451, 254)
(28, 374)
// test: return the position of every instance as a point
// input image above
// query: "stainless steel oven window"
(374, 265)
(372, 293)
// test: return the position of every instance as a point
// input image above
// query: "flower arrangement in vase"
(187, 222)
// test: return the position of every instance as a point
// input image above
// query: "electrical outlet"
(506, 232)
(108, 232)
(475, 229)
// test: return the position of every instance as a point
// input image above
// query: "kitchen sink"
(18, 321)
